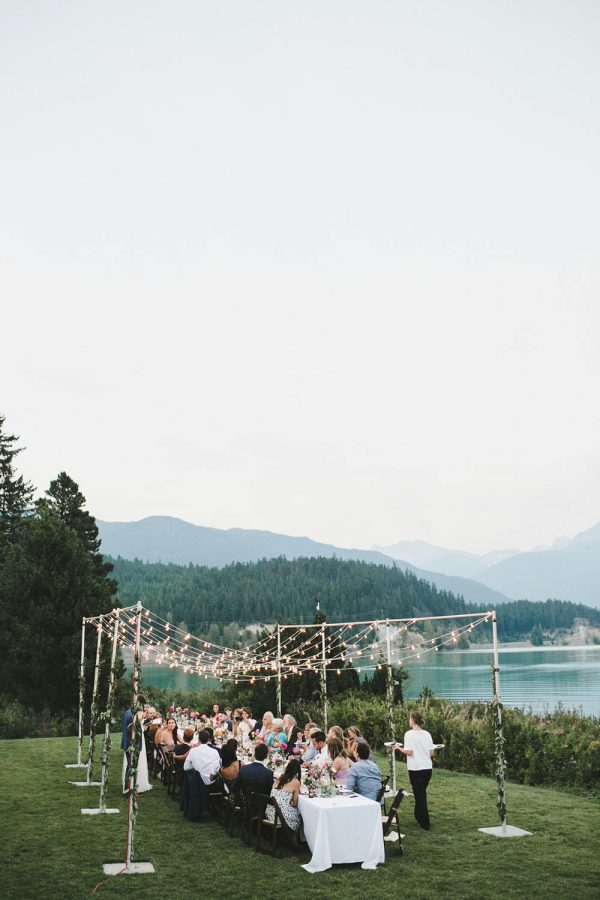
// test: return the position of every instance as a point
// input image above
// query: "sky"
(323, 268)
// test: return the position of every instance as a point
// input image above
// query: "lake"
(536, 677)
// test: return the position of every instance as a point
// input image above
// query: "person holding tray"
(418, 749)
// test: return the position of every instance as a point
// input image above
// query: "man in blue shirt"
(364, 777)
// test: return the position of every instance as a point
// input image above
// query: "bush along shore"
(558, 749)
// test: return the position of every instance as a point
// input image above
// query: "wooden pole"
(279, 701)
(108, 717)
(389, 681)
(94, 706)
(324, 678)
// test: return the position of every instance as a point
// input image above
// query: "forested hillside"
(289, 589)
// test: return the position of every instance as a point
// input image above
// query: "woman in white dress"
(143, 781)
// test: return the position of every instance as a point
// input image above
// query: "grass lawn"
(48, 848)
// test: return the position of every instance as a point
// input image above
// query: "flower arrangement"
(320, 778)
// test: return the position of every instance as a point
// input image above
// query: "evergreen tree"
(15, 493)
(66, 501)
(48, 583)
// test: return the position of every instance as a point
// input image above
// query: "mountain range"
(568, 570)
(169, 540)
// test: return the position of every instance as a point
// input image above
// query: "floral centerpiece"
(320, 779)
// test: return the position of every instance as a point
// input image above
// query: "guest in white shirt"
(319, 742)
(204, 759)
(418, 749)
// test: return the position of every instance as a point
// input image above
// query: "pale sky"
(322, 268)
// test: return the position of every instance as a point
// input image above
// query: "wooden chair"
(382, 789)
(392, 820)
(278, 826)
(261, 803)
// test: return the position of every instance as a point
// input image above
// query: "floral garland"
(499, 750)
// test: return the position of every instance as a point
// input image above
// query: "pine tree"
(15, 493)
(65, 500)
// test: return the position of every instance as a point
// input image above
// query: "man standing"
(127, 738)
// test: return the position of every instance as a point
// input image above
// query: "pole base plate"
(96, 811)
(134, 868)
(75, 765)
(85, 783)
(505, 831)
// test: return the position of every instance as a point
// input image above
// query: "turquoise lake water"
(536, 677)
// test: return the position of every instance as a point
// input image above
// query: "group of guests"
(346, 752)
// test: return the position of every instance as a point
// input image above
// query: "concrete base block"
(98, 812)
(505, 831)
(85, 783)
(75, 765)
(134, 868)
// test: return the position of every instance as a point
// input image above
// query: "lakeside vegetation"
(192, 859)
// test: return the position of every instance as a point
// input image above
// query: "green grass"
(48, 848)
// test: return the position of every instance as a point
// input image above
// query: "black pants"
(419, 780)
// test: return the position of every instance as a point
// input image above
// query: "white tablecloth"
(342, 830)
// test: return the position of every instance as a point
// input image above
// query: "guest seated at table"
(267, 726)
(354, 739)
(278, 738)
(230, 766)
(364, 777)
(290, 727)
(211, 738)
(166, 736)
(341, 763)
(204, 759)
(309, 751)
(183, 747)
(255, 776)
(336, 731)
(236, 718)
(319, 742)
(228, 718)
(286, 793)
(295, 741)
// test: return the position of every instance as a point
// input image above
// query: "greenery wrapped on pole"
(504, 829)
(108, 723)
(79, 764)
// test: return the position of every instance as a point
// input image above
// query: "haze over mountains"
(569, 570)
(169, 540)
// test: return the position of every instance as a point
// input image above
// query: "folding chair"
(392, 820)
(382, 789)
(262, 801)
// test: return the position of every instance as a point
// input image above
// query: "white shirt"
(420, 743)
(203, 759)
(322, 756)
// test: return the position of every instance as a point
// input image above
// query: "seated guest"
(228, 718)
(211, 738)
(295, 741)
(183, 748)
(341, 763)
(319, 742)
(267, 726)
(204, 759)
(236, 718)
(166, 735)
(289, 726)
(278, 737)
(214, 719)
(255, 776)
(230, 766)
(354, 739)
(336, 731)
(286, 793)
(364, 777)
(309, 752)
